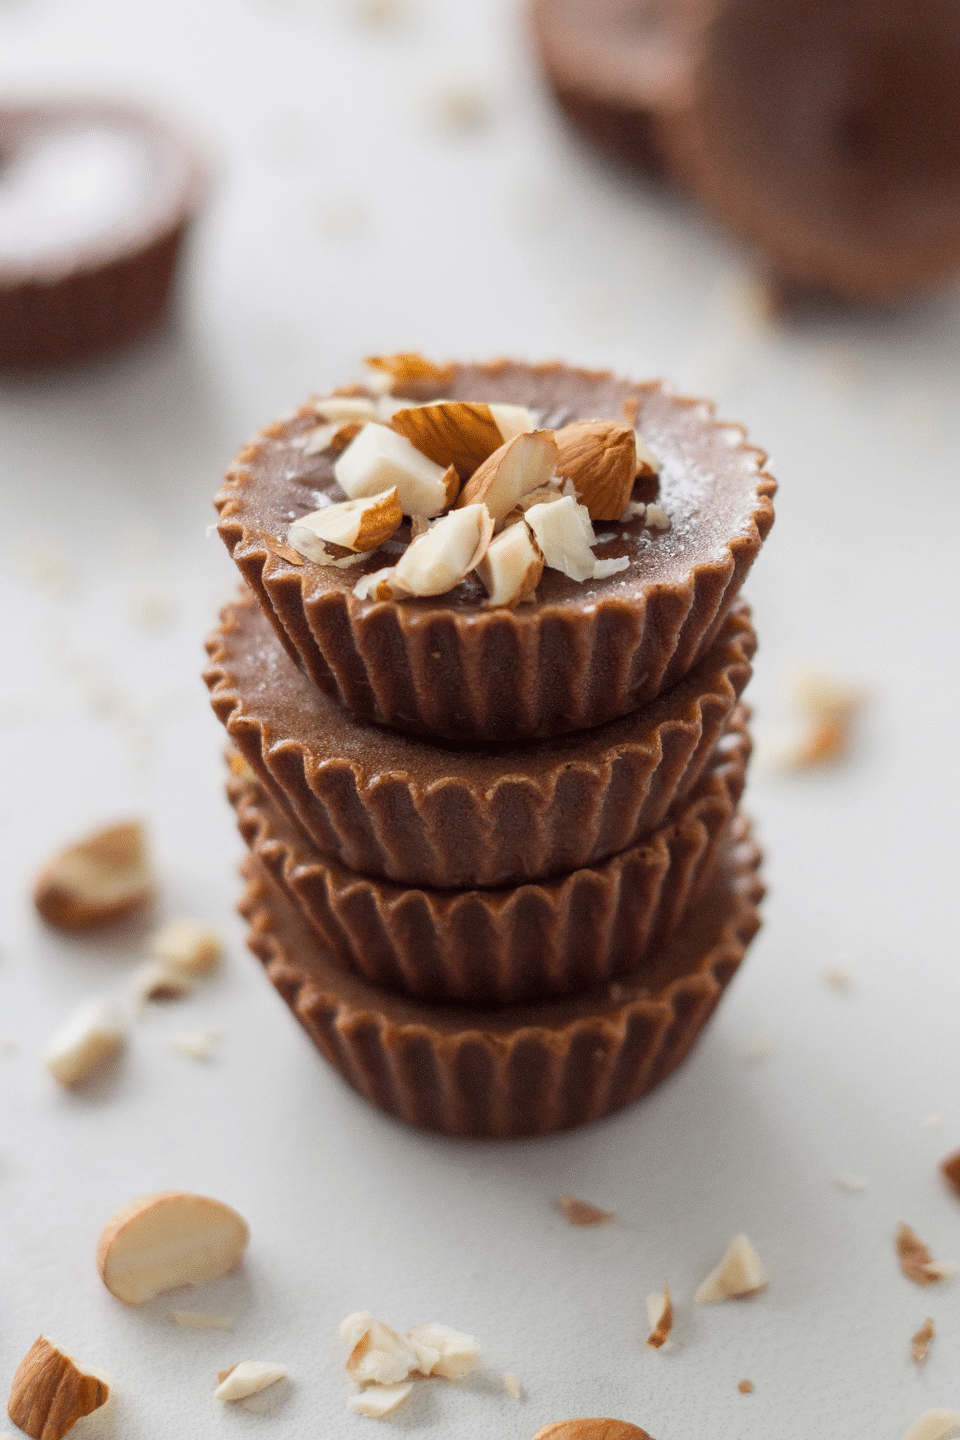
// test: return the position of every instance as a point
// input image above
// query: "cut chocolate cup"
(520, 1069)
(490, 947)
(388, 805)
(617, 69)
(582, 653)
(829, 136)
(95, 200)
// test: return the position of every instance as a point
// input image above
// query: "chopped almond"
(581, 1212)
(934, 1425)
(163, 1241)
(376, 585)
(660, 1316)
(408, 365)
(248, 1378)
(159, 981)
(381, 1357)
(745, 1387)
(92, 1037)
(739, 1275)
(343, 534)
(200, 1320)
(513, 419)
(512, 471)
(380, 459)
(335, 436)
(345, 407)
(647, 462)
(600, 457)
(355, 1326)
(512, 1385)
(50, 1392)
(511, 568)
(916, 1261)
(378, 1400)
(443, 1351)
(284, 552)
(599, 1429)
(441, 558)
(103, 877)
(564, 533)
(451, 432)
(921, 1341)
(188, 946)
(950, 1169)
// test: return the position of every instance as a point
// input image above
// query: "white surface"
(347, 220)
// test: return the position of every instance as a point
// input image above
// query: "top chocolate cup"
(829, 136)
(95, 199)
(582, 653)
(616, 67)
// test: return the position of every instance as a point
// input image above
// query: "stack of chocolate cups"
(496, 862)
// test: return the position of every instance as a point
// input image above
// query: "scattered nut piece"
(656, 518)
(335, 435)
(511, 568)
(950, 1169)
(591, 1430)
(513, 470)
(564, 533)
(853, 1183)
(660, 1316)
(248, 1378)
(163, 1241)
(188, 946)
(159, 981)
(745, 1387)
(512, 1385)
(381, 1357)
(101, 878)
(456, 1354)
(931, 1122)
(634, 510)
(739, 1275)
(344, 534)
(354, 1326)
(647, 462)
(581, 1212)
(285, 552)
(920, 1342)
(92, 1036)
(380, 459)
(837, 979)
(600, 457)
(50, 1392)
(198, 1045)
(440, 559)
(934, 1425)
(760, 1049)
(200, 1320)
(916, 1262)
(377, 585)
(460, 433)
(602, 569)
(829, 710)
(397, 369)
(378, 1400)
(345, 407)
(513, 419)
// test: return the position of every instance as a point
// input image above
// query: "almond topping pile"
(660, 1316)
(50, 1392)
(739, 1275)
(950, 1169)
(934, 1425)
(383, 1362)
(248, 1378)
(916, 1261)
(921, 1341)
(102, 878)
(433, 461)
(581, 1212)
(163, 1241)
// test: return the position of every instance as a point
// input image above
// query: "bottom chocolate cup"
(521, 1069)
(524, 942)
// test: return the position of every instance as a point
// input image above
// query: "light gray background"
(349, 218)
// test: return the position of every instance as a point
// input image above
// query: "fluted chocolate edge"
(451, 834)
(532, 1079)
(558, 669)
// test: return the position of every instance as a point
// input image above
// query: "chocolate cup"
(498, 947)
(95, 293)
(581, 654)
(829, 137)
(617, 69)
(521, 1069)
(397, 808)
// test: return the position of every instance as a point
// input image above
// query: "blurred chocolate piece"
(94, 202)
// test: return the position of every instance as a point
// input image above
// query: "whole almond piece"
(101, 878)
(163, 1241)
(522, 465)
(451, 432)
(50, 1392)
(600, 457)
(343, 534)
(591, 1430)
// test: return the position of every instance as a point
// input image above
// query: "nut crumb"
(920, 1342)
(738, 1276)
(200, 1320)
(581, 1212)
(852, 1183)
(200, 1045)
(916, 1261)
(93, 1036)
(931, 1122)
(950, 1169)
(159, 982)
(934, 1425)
(745, 1387)
(248, 1378)
(378, 1400)
(660, 1316)
(512, 1385)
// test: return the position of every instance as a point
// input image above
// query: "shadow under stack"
(497, 866)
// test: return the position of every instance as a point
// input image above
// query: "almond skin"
(100, 879)
(50, 1393)
(600, 457)
(452, 432)
(408, 365)
(591, 1430)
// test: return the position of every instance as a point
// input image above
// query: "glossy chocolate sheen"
(400, 808)
(617, 68)
(829, 136)
(495, 947)
(521, 1069)
(80, 295)
(581, 654)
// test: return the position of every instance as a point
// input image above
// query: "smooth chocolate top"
(711, 486)
(82, 184)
